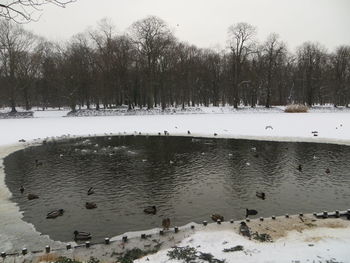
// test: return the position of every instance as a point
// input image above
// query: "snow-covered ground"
(333, 126)
(296, 247)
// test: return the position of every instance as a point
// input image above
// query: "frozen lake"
(187, 179)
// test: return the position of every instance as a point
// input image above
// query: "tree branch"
(22, 11)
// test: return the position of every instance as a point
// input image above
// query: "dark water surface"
(187, 179)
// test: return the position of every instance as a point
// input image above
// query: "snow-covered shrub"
(296, 108)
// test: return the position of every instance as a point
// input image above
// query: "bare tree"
(50, 83)
(22, 11)
(340, 61)
(273, 50)
(14, 42)
(241, 41)
(311, 61)
(151, 36)
(102, 39)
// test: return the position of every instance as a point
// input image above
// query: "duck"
(90, 191)
(260, 195)
(188, 132)
(90, 205)
(328, 171)
(244, 230)
(78, 235)
(300, 168)
(216, 217)
(215, 134)
(21, 189)
(250, 212)
(166, 223)
(32, 196)
(150, 210)
(55, 213)
(38, 163)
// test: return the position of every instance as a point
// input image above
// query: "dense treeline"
(148, 67)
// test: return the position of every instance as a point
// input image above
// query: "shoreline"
(12, 218)
(281, 229)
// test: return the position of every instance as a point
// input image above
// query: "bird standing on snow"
(244, 230)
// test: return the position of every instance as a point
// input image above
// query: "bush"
(262, 237)
(186, 254)
(134, 254)
(66, 260)
(190, 255)
(295, 108)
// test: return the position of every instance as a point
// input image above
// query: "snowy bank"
(294, 239)
(331, 127)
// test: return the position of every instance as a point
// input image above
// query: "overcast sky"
(205, 22)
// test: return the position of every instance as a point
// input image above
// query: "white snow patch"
(293, 248)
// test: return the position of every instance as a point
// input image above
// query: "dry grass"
(48, 258)
(296, 108)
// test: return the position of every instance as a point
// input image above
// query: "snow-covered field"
(333, 126)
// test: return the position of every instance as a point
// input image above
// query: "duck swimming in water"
(55, 213)
(38, 163)
(90, 191)
(78, 235)
(21, 189)
(32, 196)
(216, 217)
(300, 168)
(90, 205)
(150, 210)
(250, 212)
(260, 195)
(166, 223)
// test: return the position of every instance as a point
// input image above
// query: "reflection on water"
(187, 179)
